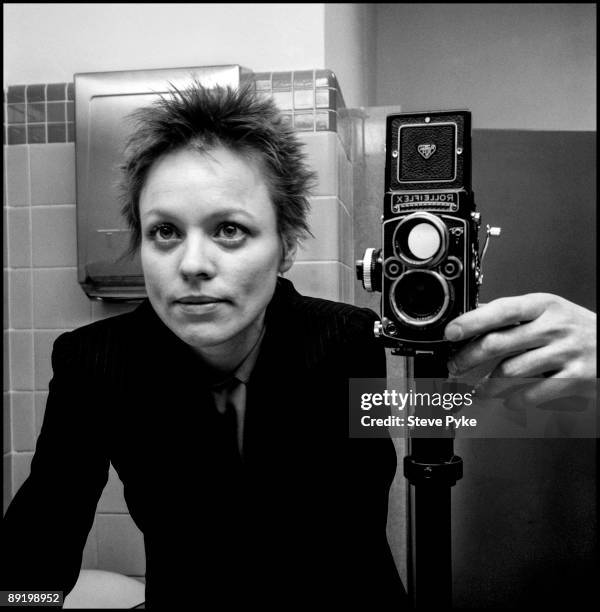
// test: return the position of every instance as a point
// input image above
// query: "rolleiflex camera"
(429, 269)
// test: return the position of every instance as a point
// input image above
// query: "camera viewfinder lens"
(420, 239)
(424, 241)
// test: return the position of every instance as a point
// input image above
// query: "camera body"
(428, 269)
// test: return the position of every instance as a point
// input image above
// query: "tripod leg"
(432, 470)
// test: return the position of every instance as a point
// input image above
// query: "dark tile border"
(45, 112)
(38, 114)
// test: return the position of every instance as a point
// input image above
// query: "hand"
(525, 337)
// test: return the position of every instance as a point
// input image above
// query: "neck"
(227, 356)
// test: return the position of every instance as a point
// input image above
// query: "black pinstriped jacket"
(304, 522)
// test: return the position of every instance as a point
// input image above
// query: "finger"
(502, 388)
(503, 312)
(475, 375)
(555, 406)
(495, 346)
(529, 364)
(549, 389)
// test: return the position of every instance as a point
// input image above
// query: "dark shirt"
(302, 520)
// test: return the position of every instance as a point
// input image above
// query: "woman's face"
(210, 248)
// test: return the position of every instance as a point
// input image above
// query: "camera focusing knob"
(366, 270)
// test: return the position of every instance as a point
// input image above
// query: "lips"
(198, 299)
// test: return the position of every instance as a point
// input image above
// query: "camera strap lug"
(491, 232)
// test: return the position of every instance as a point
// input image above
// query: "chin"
(204, 338)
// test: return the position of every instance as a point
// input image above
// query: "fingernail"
(453, 333)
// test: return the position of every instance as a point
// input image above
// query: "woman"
(226, 388)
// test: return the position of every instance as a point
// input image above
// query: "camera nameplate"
(444, 201)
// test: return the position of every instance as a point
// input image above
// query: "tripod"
(431, 469)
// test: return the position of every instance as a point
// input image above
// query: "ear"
(289, 247)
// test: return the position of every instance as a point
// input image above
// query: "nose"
(197, 258)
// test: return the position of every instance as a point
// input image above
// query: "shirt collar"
(244, 369)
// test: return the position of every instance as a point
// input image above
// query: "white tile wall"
(52, 173)
(321, 156)
(59, 302)
(54, 236)
(43, 342)
(112, 500)
(120, 545)
(39, 402)
(17, 170)
(6, 360)
(19, 238)
(23, 419)
(20, 298)
(325, 221)
(21, 360)
(320, 279)
(7, 473)
(90, 552)
(6, 421)
(21, 469)
(6, 297)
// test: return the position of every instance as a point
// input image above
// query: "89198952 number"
(31, 598)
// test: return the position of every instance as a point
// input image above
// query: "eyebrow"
(218, 214)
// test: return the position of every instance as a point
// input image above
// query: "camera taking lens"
(420, 297)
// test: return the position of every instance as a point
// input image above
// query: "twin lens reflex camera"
(429, 267)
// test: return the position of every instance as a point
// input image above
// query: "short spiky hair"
(202, 119)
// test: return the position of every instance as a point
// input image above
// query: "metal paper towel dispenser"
(103, 102)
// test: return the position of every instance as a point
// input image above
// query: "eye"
(231, 232)
(164, 232)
